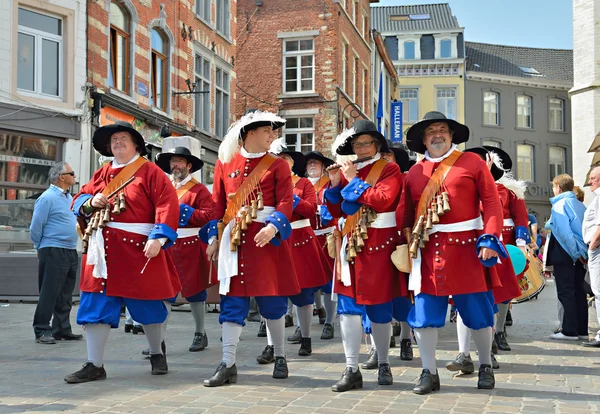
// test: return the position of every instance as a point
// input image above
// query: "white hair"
(56, 170)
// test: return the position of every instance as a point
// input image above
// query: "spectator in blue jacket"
(567, 253)
(54, 234)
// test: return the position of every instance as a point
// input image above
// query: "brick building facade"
(310, 61)
(146, 56)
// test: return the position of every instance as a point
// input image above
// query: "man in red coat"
(126, 261)
(188, 252)
(451, 254)
(366, 195)
(252, 191)
(323, 224)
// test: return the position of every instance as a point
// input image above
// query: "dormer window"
(446, 49)
(409, 50)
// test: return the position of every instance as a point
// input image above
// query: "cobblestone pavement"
(538, 376)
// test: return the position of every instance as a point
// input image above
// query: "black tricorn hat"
(101, 138)
(401, 156)
(260, 121)
(343, 143)
(496, 171)
(414, 135)
(163, 159)
(316, 155)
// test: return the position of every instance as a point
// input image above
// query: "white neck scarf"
(371, 161)
(182, 182)
(115, 164)
(440, 159)
(247, 154)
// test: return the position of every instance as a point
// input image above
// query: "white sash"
(508, 222)
(187, 232)
(327, 230)
(96, 251)
(301, 224)
(228, 260)
(414, 280)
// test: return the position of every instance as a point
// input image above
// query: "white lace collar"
(371, 161)
(313, 181)
(115, 164)
(440, 159)
(247, 154)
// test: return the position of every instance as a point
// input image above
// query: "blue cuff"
(80, 202)
(350, 207)
(208, 230)
(162, 230)
(185, 213)
(296, 201)
(284, 228)
(334, 194)
(326, 216)
(491, 242)
(354, 189)
(522, 233)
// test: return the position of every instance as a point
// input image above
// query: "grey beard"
(438, 146)
(178, 175)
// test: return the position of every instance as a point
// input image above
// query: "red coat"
(310, 263)
(449, 262)
(374, 277)
(150, 198)
(189, 253)
(515, 209)
(316, 224)
(266, 271)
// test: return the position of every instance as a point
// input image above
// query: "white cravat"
(247, 154)
(440, 159)
(115, 164)
(371, 161)
(182, 182)
(313, 181)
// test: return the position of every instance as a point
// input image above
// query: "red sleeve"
(307, 207)
(164, 198)
(405, 213)
(284, 190)
(218, 194)
(335, 209)
(382, 196)
(203, 205)
(518, 210)
(493, 217)
(94, 186)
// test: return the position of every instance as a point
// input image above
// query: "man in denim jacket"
(567, 252)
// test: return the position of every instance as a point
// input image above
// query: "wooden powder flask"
(360, 243)
(260, 201)
(105, 217)
(123, 204)
(435, 219)
(414, 246)
(363, 230)
(440, 206)
(446, 201)
(351, 250)
(254, 207)
(116, 207)
(243, 216)
(429, 224)
(425, 236)
(419, 227)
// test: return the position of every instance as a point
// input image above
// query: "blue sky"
(533, 23)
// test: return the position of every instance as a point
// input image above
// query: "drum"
(532, 282)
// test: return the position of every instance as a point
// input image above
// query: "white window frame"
(446, 100)
(552, 164)
(39, 36)
(298, 54)
(344, 64)
(491, 143)
(556, 114)
(406, 105)
(487, 114)
(523, 158)
(355, 61)
(413, 38)
(201, 79)
(523, 109)
(299, 131)
(453, 46)
(365, 77)
(223, 19)
(205, 3)
(354, 11)
(224, 121)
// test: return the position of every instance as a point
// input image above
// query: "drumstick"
(144, 268)
(210, 274)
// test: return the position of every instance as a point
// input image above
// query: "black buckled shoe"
(88, 373)
(384, 377)
(267, 356)
(280, 370)
(222, 375)
(406, 351)
(289, 321)
(328, 331)
(486, 378)
(371, 362)
(462, 363)
(159, 364)
(305, 347)
(128, 327)
(349, 380)
(137, 329)
(495, 363)
(501, 341)
(296, 337)
(322, 315)
(427, 383)
(200, 342)
(262, 329)
(163, 347)
(494, 346)
(509, 319)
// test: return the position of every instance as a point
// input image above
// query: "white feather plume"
(278, 146)
(341, 139)
(232, 141)
(508, 179)
(496, 159)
